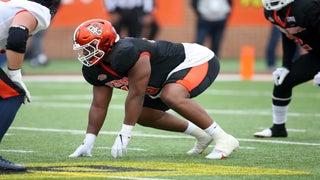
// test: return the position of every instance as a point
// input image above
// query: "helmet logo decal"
(95, 29)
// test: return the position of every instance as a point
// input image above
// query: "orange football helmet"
(93, 39)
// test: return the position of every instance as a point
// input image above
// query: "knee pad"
(17, 38)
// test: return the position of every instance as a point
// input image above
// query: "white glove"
(119, 147)
(316, 80)
(279, 74)
(82, 150)
(85, 148)
(16, 77)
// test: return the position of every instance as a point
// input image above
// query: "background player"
(19, 19)
(299, 23)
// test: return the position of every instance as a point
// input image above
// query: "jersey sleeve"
(41, 13)
(125, 58)
(90, 75)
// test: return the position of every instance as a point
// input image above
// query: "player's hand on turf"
(279, 75)
(16, 77)
(82, 150)
(316, 80)
(119, 147)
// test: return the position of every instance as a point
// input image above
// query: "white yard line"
(134, 178)
(15, 151)
(79, 78)
(259, 112)
(138, 134)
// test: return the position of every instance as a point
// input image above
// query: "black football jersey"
(164, 57)
(299, 22)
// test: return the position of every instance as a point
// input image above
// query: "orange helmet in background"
(93, 39)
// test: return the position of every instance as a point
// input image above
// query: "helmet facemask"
(89, 54)
(275, 4)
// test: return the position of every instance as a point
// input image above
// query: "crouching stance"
(158, 75)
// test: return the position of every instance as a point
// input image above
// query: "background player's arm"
(14, 58)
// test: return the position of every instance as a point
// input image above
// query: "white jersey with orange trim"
(9, 9)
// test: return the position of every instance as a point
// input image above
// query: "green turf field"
(50, 128)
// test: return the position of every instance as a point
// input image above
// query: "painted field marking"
(145, 170)
(210, 111)
(138, 134)
(15, 151)
(79, 78)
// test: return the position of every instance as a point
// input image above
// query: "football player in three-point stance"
(299, 23)
(19, 19)
(158, 75)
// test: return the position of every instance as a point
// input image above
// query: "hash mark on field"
(17, 151)
(133, 149)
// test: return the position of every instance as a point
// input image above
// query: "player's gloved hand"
(85, 148)
(279, 74)
(119, 147)
(82, 150)
(316, 80)
(16, 77)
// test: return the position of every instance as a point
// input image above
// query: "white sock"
(214, 127)
(279, 114)
(195, 131)
(89, 139)
(190, 128)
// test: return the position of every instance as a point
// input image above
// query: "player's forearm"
(96, 119)
(14, 59)
(133, 108)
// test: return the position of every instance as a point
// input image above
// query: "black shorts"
(195, 79)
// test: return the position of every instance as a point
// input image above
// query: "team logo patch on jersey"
(102, 77)
(291, 19)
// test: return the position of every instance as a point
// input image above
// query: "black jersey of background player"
(164, 57)
(300, 23)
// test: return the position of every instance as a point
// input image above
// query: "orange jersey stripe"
(109, 70)
(194, 77)
(6, 90)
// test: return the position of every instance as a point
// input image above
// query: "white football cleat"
(225, 145)
(216, 154)
(82, 150)
(201, 144)
(266, 133)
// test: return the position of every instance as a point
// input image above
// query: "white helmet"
(275, 4)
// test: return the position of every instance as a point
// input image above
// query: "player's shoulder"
(304, 7)
(124, 47)
(307, 11)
